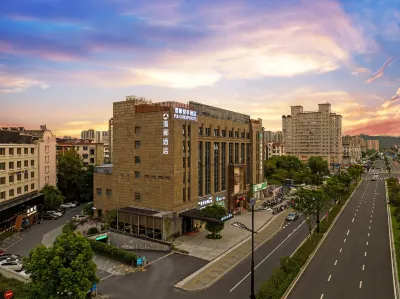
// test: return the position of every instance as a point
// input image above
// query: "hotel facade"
(171, 159)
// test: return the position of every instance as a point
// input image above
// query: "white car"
(80, 217)
(23, 273)
(55, 213)
(68, 205)
(12, 265)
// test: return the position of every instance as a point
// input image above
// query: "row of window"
(17, 164)
(108, 193)
(17, 191)
(11, 178)
(222, 133)
(12, 152)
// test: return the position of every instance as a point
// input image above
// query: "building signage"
(217, 199)
(165, 141)
(205, 202)
(229, 216)
(185, 114)
(261, 152)
(259, 187)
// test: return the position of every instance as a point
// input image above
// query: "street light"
(94, 210)
(252, 203)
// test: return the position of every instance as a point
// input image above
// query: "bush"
(93, 231)
(69, 227)
(113, 252)
(104, 227)
(396, 212)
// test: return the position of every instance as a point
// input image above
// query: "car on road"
(12, 265)
(48, 216)
(68, 205)
(292, 217)
(23, 273)
(55, 213)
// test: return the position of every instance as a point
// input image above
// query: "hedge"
(69, 227)
(113, 252)
(281, 278)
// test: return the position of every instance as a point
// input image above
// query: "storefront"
(204, 202)
(221, 199)
(257, 189)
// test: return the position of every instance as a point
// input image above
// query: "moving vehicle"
(23, 273)
(2, 252)
(292, 217)
(68, 205)
(374, 177)
(61, 210)
(48, 216)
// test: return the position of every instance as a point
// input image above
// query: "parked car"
(68, 205)
(23, 273)
(80, 217)
(48, 216)
(292, 217)
(61, 210)
(55, 213)
(10, 256)
(2, 252)
(12, 265)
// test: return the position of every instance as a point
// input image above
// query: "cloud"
(12, 84)
(380, 72)
(74, 128)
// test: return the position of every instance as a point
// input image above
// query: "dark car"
(48, 216)
(292, 217)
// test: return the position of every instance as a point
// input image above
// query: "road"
(354, 261)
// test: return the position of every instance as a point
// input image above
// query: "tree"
(69, 173)
(111, 218)
(334, 188)
(355, 171)
(53, 197)
(86, 184)
(67, 266)
(318, 165)
(345, 178)
(88, 209)
(310, 203)
(215, 212)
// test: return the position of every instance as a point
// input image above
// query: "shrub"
(396, 212)
(113, 252)
(83, 221)
(69, 227)
(105, 226)
(93, 231)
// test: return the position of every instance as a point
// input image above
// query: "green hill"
(384, 141)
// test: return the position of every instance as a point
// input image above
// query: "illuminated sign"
(229, 216)
(101, 237)
(165, 141)
(205, 202)
(185, 114)
(219, 198)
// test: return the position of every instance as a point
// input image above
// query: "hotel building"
(171, 159)
(313, 133)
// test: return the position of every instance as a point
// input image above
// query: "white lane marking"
(369, 227)
(368, 234)
(367, 243)
(340, 249)
(322, 296)
(107, 277)
(360, 284)
(348, 232)
(370, 221)
(344, 241)
(329, 278)
(371, 215)
(335, 263)
(363, 267)
(365, 254)
(352, 220)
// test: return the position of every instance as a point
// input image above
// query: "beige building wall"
(47, 159)
(19, 165)
(373, 145)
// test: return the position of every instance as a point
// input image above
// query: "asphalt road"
(354, 260)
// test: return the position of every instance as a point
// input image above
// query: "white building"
(274, 149)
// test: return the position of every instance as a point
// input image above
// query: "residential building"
(373, 145)
(278, 137)
(269, 136)
(19, 176)
(351, 150)
(110, 138)
(274, 149)
(88, 134)
(313, 133)
(91, 153)
(172, 159)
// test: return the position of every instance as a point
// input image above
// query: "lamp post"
(252, 203)
(94, 210)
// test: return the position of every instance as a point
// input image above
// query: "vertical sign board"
(261, 153)
(165, 140)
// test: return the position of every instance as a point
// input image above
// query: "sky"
(64, 62)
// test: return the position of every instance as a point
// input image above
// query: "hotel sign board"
(185, 114)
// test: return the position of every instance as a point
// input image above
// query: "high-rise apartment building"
(172, 159)
(373, 145)
(88, 134)
(313, 133)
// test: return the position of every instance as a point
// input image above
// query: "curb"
(180, 284)
(392, 247)
(293, 284)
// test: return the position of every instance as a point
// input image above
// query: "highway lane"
(354, 261)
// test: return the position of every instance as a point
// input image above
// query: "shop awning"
(196, 214)
(19, 200)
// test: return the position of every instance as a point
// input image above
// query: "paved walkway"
(214, 270)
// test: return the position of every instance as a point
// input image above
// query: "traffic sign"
(8, 294)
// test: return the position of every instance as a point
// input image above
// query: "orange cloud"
(381, 71)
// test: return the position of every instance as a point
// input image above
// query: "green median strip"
(394, 200)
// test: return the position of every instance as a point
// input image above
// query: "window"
(26, 188)
(137, 196)
(11, 151)
(2, 181)
(85, 148)
(91, 160)
(32, 175)
(19, 177)
(10, 165)
(18, 151)
(2, 151)
(236, 153)
(32, 186)
(184, 162)
(208, 131)
(19, 190)
(26, 163)
(26, 175)
(183, 130)
(32, 163)
(137, 174)
(47, 179)
(25, 151)
(188, 130)
(200, 169)
(46, 159)
(223, 166)
(98, 191)
(85, 156)
(3, 195)
(47, 149)
(19, 164)
(108, 192)
(216, 132)
(137, 130)
(183, 146)
(3, 166)
(137, 144)
(11, 179)
(137, 159)
(47, 169)
(32, 150)
(91, 151)
(216, 166)
(11, 192)
(184, 194)
(223, 133)
(208, 168)
(230, 153)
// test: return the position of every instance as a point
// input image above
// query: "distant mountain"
(384, 141)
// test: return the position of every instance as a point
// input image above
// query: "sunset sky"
(63, 62)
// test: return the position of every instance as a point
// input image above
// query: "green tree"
(53, 197)
(86, 184)
(334, 188)
(355, 171)
(215, 212)
(67, 266)
(269, 168)
(88, 209)
(345, 178)
(111, 218)
(317, 164)
(69, 174)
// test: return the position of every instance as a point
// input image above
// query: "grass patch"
(19, 288)
(393, 192)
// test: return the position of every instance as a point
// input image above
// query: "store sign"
(229, 216)
(259, 187)
(205, 202)
(185, 114)
(165, 141)
(217, 199)
(261, 152)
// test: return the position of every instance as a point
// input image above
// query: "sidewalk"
(209, 274)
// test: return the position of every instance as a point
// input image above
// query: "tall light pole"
(252, 203)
